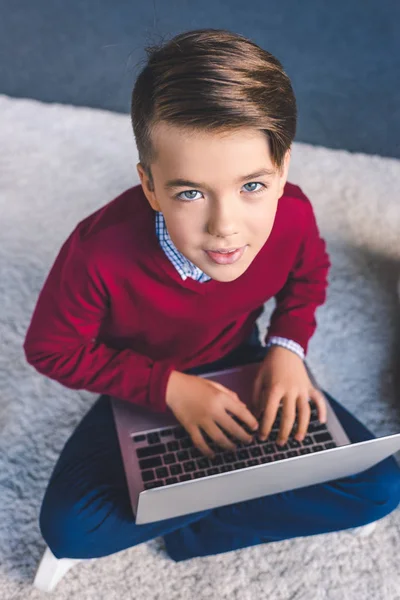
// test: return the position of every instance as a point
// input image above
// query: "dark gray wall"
(343, 56)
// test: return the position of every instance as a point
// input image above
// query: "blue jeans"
(86, 511)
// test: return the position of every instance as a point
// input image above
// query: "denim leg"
(86, 510)
(331, 506)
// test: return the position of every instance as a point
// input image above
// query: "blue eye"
(187, 192)
(185, 199)
(256, 183)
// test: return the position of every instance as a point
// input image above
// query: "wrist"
(173, 381)
(278, 349)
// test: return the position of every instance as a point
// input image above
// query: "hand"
(283, 377)
(200, 403)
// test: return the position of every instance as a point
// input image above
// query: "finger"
(288, 417)
(199, 441)
(320, 401)
(269, 416)
(218, 436)
(303, 418)
(234, 428)
(243, 414)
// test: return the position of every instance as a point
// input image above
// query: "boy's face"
(217, 207)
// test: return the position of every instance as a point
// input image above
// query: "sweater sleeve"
(61, 341)
(304, 290)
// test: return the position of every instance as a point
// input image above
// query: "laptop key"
(217, 460)
(239, 465)
(330, 445)
(199, 474)
(318, 448)
(255, 451)
(153, 438)
(162, 472)
(316, 427)
(242, 454)
(169, 459)
(185, 477)
(203, 463)
(182, 455)
(195, 453)
(150, 450)
(171, 480)
(212, 471)
(269, 448)
(305, 450)
(292, 443)
(175, 469)
(307, 441)
(148, 463)
(322, 437)
(292, 453)
(279, 456)
(189, 466)
(186, 443)
(166, 432)
(139, 438)
(266, 459)
(153, 484)
(229, 457)
(172, 446)
(252, 462)
(148, 475)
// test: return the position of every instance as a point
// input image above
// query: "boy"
(167, 281)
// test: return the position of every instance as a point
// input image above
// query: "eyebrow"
(174, 183)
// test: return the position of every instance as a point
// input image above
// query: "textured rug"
(58, 164)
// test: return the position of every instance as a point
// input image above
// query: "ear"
(285, 171)
(148, 188)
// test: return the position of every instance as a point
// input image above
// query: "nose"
(221, 222)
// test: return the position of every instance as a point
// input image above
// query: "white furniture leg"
(51, 570)
(364, 530)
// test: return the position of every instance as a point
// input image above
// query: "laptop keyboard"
(167, 455)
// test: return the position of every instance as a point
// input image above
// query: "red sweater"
(115, 317)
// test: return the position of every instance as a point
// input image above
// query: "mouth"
(224, 250)
(226, 256)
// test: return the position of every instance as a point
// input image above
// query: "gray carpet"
(58, 164)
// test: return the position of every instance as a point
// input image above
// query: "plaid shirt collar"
(182, 264)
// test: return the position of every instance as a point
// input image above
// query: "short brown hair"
(213, 80)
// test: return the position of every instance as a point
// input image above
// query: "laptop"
(168, 476)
